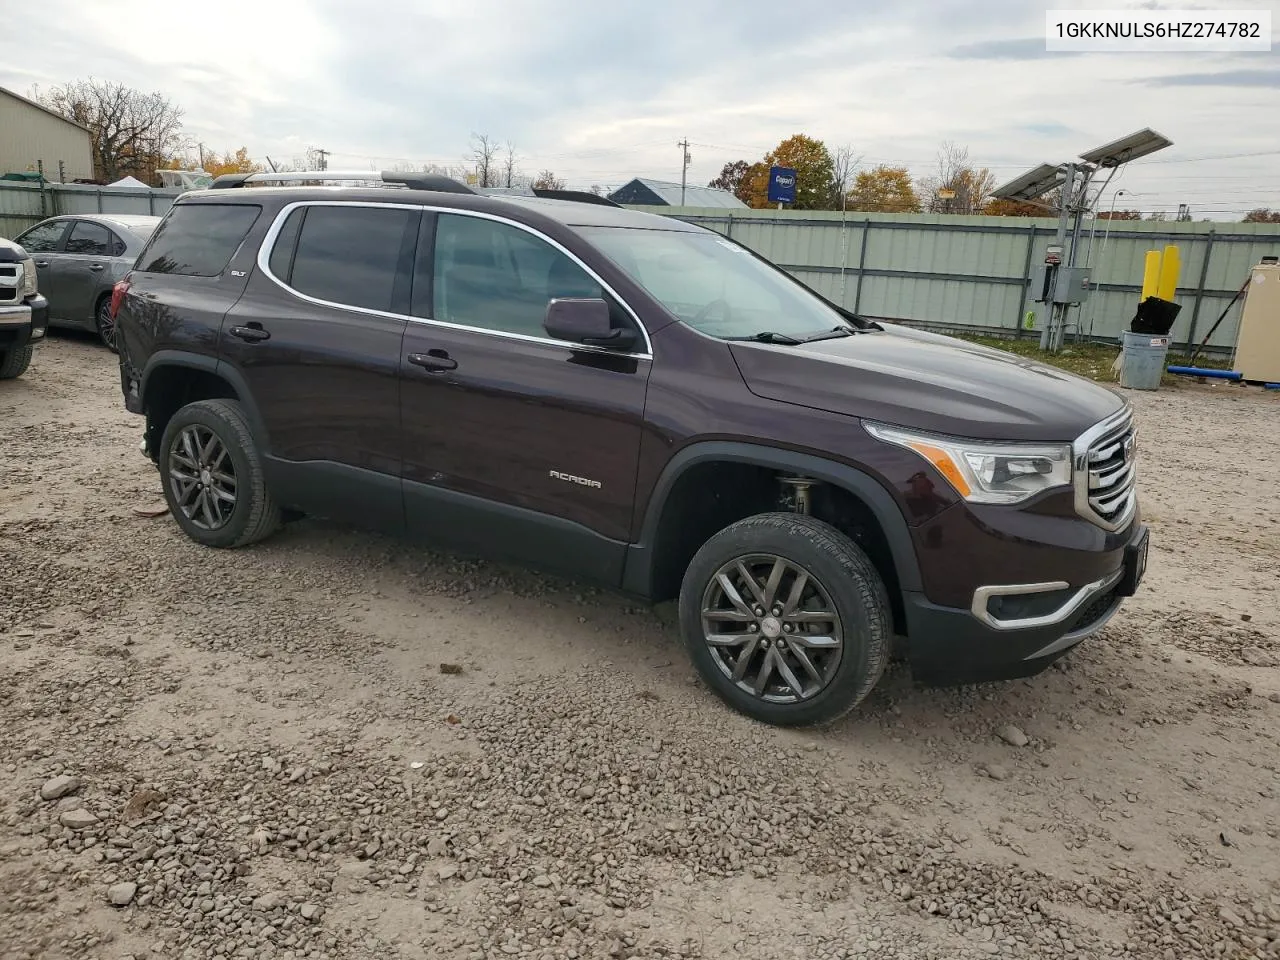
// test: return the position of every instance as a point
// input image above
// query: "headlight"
(28, 278)
(985, 472)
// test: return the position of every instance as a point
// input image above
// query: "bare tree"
(509, 165)
(484, 152)
(548, 181)
(131, 132)
(844, 164)
(955, 174)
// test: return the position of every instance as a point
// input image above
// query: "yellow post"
(1151, 274)
(1169, 266)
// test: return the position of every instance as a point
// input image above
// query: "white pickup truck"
(24, 314)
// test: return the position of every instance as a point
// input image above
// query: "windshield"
(714, 286)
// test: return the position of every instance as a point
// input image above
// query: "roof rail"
(579, 196)
(412, 181)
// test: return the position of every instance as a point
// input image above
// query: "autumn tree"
(1262, 215)
(734, 178)
(972, 186)
(1120, 215)
(814, 167)
(884, 189)
(1003, 207)
(238, 162)
(131, 133)
(547, 180)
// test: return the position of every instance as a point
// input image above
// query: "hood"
(10, 252)
(928, 382)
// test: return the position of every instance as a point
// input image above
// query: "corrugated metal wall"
(953, 272)
(944, 272)
(29, 135)
(22, 204)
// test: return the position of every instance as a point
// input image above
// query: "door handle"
(436, 360)
(252, 333)
(42, 263)
(96, 266)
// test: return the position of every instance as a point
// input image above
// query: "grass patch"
(1090, 360)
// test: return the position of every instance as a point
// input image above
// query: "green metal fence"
(944, 272)
(973, 273)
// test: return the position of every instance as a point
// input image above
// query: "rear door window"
(89, 239)
(198, 239)
(355, 256)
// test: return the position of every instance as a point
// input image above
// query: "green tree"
(815, 173)
(884, 189)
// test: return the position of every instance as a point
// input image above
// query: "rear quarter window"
(198, 239)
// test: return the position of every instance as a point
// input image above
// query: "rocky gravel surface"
(335, 745)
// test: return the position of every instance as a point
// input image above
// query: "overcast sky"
(601, 92)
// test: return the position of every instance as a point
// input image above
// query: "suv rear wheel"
(786, 619)
(213, 478)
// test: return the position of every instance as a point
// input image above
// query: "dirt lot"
(337, 745)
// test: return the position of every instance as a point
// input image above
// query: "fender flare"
(207, 364)
(638, 574)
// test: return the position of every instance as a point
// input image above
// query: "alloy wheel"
(202, 477)
(772, 628)
(106, 325)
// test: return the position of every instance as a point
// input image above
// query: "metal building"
(30, 134)
(647, 192)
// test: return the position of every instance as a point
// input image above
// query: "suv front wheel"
(786, 619)
(213, 478)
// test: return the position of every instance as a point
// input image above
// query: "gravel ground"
(336, 745)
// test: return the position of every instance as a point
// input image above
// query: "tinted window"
(282, 252)
(198, 239)
(89, 239)
(42, 238)
(499, 277)
(351, 255)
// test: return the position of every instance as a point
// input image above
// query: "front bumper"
(23, 323)
(949, 645)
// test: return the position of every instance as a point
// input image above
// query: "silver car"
(78, 260)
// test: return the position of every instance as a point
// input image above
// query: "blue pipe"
(1205, 372)
(1271, 386)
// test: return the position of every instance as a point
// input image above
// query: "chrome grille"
(1105, 472)
(10, 282)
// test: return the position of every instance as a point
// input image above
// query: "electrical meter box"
(1072, 285)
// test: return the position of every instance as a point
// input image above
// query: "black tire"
(14, 363)
(851, 587)
(104, 323)
(254, 515)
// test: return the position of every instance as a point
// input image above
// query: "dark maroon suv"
(638, 401)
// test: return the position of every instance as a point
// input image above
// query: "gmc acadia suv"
(638, 401)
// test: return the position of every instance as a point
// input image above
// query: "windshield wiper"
(832, 334)
(769, 336)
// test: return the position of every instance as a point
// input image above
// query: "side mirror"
(586, 322)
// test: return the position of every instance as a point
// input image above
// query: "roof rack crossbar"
(413, 181)
(578, 196)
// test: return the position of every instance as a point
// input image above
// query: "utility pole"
(200, 147)
(324, 158)
(684, 166)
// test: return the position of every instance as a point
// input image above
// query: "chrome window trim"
(982, 595)
(268, 243)
(1080, 471)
